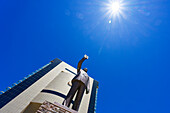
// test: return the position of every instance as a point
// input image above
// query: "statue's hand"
(86, 57)
(69, 83)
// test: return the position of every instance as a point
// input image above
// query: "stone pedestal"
(48, 107)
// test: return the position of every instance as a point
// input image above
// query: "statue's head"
(85, 69)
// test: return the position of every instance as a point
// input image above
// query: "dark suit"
(79, 83)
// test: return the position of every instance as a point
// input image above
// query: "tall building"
(49, 83)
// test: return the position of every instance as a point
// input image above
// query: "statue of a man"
(79, 83)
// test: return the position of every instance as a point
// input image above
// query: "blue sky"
(130, 57)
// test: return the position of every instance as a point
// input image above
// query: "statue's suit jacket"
(84, 78)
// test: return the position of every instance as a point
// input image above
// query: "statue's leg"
(79, 97)
(71, 94)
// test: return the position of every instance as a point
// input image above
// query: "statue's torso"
(81, 76)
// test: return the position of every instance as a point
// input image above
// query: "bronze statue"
(79, 83)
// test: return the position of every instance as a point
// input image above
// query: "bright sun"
(115, 7)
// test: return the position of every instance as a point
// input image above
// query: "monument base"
(48, 107)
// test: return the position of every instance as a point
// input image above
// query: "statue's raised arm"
(80, 62)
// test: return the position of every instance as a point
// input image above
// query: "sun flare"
(114, 9)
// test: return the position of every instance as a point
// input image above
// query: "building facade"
(49, 83)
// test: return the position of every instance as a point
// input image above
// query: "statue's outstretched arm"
(80, 62)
